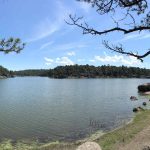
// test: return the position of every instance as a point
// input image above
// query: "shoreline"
(111, 140)
(98, 77)
(122, 136)
(3, 77)
(33, 145)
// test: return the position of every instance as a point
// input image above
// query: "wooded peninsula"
(87, 71)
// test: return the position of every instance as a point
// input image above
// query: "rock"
(144, 88)
(3, 77)
(135, 109)
(133, 98)
(89, 146)
(144, 103)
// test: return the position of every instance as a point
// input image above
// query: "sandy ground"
(140, 142)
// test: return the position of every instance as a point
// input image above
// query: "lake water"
(64, 109)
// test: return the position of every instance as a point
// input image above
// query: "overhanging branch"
(11, 45)
(120, 49)
(131, 9)
(88, 30)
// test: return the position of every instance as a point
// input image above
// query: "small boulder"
(89, 146)
(135, 109)
(133, 98)
(144, 103)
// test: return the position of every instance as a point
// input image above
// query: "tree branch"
(120, 49)
(87, 30)
(132, 3)
(131, 10)
(11, 45)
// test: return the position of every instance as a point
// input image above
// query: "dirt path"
(140, 142)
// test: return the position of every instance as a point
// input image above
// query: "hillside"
(5, 72)
(87, 71)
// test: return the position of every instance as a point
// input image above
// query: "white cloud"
(59, 61)
(71, 53)
(137, 36)
(64, 61)
(133, 36)
(48, 26)
(48, 61)
(118, 60)
(92, 60)
(145, 36)
(44, 29)
(68, 46)
(46, 44)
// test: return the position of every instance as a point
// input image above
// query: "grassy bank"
(109, 141)
(22, 145)
(112, 140)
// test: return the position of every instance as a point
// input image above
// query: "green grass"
(22, 145)
(111, 140)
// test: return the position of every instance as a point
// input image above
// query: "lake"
(64, 109)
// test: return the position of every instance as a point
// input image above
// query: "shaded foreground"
(118, 139)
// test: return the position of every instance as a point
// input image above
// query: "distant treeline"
(5, 72)
(87, 71)
(32, 72)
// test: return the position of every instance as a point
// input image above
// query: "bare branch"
(120, 49)
(87, 30)
(131, 10)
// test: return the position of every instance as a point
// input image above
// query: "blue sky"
(51, 42)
